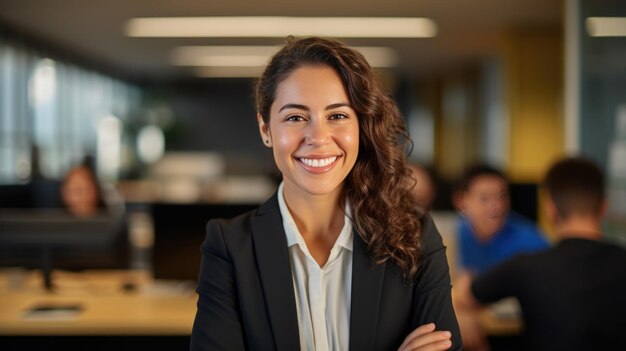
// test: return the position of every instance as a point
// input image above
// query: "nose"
(498, 205)
(317, 132)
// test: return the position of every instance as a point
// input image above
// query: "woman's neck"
(319, 219)
(315, 215)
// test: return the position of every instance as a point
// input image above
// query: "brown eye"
(336, 116)
(294, 118)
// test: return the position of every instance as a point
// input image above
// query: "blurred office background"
(513, 83)
(170, 119)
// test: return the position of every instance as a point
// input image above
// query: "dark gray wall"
(214, 115)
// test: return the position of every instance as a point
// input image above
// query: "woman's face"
(79, 193)
(313, 130)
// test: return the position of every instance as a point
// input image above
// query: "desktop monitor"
(179, 230)
(54, 239)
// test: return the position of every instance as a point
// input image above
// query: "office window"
(14, 144)
(55, 108)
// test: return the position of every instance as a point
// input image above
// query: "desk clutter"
(94, 303)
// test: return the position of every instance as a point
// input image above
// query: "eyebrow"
(306, 108)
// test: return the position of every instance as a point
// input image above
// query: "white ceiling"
(468, 30)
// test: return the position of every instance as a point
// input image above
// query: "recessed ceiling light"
(225, 56)
(258, 56)
(606, 26)
(270, 27)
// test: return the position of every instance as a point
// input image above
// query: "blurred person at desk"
(83, 195)
(572, 295)
(489, 232)
(425, 188)
(340, 258)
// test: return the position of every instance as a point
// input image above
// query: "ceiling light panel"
(606, 26)
(259, 56)
(280, 27)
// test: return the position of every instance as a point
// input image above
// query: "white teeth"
(318, 162)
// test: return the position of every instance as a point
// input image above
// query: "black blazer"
(246, 297)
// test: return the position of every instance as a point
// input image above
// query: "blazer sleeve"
(432, 300)
(217, 325)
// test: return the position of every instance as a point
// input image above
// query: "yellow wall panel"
(534, 81)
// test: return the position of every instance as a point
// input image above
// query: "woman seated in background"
(341, 257)
(83, 195)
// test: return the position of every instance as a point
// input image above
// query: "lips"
(318, 164)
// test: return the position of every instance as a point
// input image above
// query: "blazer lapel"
(272, 255)
(367, 285)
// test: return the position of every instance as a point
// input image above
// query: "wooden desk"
(151, 308)
(493, 325)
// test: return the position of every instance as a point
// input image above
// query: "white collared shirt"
(323, 294)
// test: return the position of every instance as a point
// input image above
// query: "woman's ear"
(264, 129)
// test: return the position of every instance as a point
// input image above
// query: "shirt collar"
(293, 234)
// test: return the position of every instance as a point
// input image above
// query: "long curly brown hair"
(385, 213)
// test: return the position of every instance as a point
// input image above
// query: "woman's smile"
(318, 164)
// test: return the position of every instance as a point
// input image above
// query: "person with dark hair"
(341, 257)
(489, 232)
(83, 195)
(572, 295)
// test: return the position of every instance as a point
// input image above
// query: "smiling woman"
(316, 133)
(340, 257)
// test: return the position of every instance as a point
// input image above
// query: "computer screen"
(53, 239)
(179, 230)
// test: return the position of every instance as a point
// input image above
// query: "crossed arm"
(434, 316)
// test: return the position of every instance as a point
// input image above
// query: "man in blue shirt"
(571, 295)
(489, 232)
